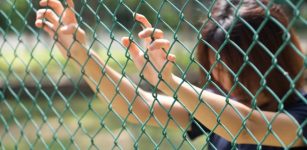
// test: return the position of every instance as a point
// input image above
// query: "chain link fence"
(44, 102)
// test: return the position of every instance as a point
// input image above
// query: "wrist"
(78, 50)
(169, 86)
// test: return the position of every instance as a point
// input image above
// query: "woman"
(246, 116)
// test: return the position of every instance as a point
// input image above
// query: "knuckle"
(158, 31)
(149, 30)
(167, 42)
(153, 44)
(40, 11)
(45, 12)
(48, 12)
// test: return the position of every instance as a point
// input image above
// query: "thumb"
(133, 48)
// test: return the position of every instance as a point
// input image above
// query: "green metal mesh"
(45, 104)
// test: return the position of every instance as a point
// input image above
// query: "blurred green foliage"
(19, 15)
(73, 125)
(17, 19)
(36, 62)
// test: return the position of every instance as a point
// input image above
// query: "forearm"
(121, 93)
(233, 120)
(214, 111)
(140, 105)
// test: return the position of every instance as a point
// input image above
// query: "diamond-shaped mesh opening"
(53, 101)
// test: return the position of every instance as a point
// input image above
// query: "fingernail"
(38, 23)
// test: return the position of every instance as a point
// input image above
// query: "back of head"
(252, 38)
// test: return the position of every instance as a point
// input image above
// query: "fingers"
(143, 20)
(145, 24)
(56, 5)
(49, 15)
(41, 24)
(50, 24)
(171, 57)
(155, 36)
(159, 44)
(162, 45)
(133, 48)
(151, 32)
(58, 8)
(46, 25)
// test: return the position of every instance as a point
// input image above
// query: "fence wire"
(45, 103)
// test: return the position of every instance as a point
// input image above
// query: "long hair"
(255, 44)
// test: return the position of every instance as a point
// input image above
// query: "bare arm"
(140, 103)
(105, 84)
(190, 96)
(229, 115)
(226, 117)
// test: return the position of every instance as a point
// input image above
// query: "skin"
(189, 96)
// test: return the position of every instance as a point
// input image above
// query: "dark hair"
(236, 32)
